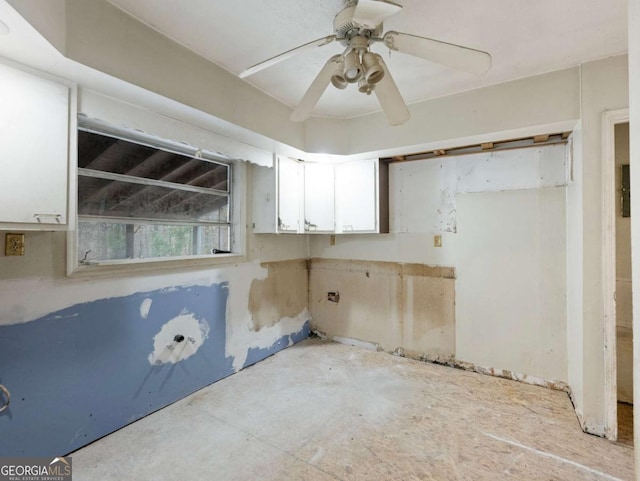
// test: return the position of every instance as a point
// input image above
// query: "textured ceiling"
(524, 37)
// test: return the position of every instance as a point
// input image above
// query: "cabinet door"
(265, 212)
(290, 195)
(34, 137)
(357, 196)
(319, 198)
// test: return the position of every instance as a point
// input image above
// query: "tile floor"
(325, 411)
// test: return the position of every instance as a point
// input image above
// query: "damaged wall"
(507, 251)
(393, 305)
(84, 356)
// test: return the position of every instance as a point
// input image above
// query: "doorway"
(617, 277)
(624, 330)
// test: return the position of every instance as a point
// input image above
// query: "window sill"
(135, 266)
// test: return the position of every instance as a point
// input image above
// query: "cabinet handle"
(7, 396)
(308, 226)
(57, 217)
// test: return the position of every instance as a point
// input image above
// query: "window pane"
(108, 154)
(100, 241)
(113, 198)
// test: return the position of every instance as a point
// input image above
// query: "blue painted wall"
(78, 374)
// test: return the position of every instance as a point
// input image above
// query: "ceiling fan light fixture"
(373, 71)
(364, 86)
(352, 67)
(339, 81)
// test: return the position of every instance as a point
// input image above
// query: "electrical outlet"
(333, 297)
(437, 241)
(332, 240)
(14, 245)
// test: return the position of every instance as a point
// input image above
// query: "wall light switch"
(437, 241)
(14, 245)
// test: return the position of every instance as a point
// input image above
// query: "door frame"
(609, 121)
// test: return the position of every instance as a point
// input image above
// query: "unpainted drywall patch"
(178, 339)
(282, 294)
(145, 307)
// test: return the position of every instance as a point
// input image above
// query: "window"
(137, 200)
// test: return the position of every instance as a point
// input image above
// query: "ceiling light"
(4, 28)
(364, 86)
(373, 71)
(352, 67)
(338, 80)
(337, 77)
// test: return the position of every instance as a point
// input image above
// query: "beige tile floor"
(325, 411)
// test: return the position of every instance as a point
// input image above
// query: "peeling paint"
(283, 293)
(240, 333)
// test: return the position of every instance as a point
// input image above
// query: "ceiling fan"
(357, 26)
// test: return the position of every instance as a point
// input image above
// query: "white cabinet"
(361, 197)
(319, 198)
(290, 191)
(278, 197)
(306, 197)
(34, 152)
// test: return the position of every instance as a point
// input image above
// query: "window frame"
(236, 193)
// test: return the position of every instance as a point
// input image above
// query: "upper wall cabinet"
(34, 151)
(290, 189)
(362, 199)
(319, 200)
(306, 197)
(277, 197)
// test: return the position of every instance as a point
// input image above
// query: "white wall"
(524, 107)
(510, 302)
(634, 111)
(575, 297)
(603, 86)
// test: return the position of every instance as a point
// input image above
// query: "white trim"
(609, 121)
(72, 184)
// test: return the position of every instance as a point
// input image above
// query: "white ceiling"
(524, 37)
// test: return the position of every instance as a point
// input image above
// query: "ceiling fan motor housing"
(346, 27)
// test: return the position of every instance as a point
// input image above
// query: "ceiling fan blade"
(321, 42)
(390, 99)
(317, 88)
(456, 56)
(370, 13)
